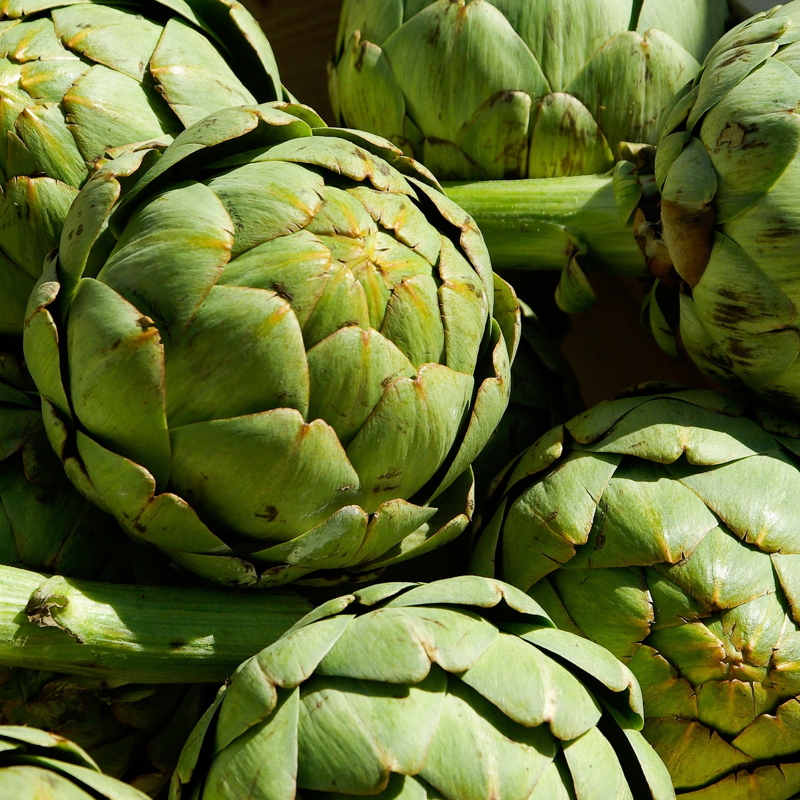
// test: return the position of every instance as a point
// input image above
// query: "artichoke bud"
(307, 335)
(79, 82)
(460, 689)
(562, 87)
(727, 168)
(661, 524)
(34, 763)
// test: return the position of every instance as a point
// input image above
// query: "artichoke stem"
(142, 634)
(536, 223)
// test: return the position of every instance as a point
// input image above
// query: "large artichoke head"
(728, 167)
(516, 88)
(78, 78)
(460, 689)
(36, 764)
(665, 527)
(274, 350)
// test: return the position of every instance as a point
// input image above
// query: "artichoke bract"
(79, 78)
(273, 350)
(36, 764)
(481, 89)
(727, 168)
(460, 689)
(664, 526)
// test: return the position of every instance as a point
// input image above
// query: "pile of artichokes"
(299, 497)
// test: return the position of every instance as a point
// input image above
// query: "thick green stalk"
(141, 634)
(542, 223)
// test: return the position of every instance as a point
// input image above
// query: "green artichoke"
(459, 690)
(35, 764)
(665, 527)
(273, 350)
(728, 168)
(481, 89)
(78, 78)
(45, 524)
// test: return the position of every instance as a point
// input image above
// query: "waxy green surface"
(728, 169)
(36, 764)
(80, 78)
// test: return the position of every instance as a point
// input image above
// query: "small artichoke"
(488, 89)
(273, 350)
(664, 526)
(460, 690)
(80, 78)
(728, 169)
(35, 764)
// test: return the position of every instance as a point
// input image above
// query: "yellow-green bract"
(79, 78)
(728, 168)
(38, 764)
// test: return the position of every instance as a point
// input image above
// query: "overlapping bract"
(482, 89)
(283, 349)
(38, 764)
(728, 168)
(460, 689)
(78, 78)
(665, 528)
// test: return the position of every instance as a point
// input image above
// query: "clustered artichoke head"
(460, 689)
(274, 350)
(36, 764)
(665, 527)
(728, 168)
(78, 78)
(494, 89)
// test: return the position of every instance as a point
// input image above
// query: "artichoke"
(727, 168)
(80, 78)
(273, 350)
(461, 690)
(489, 89)
(664, 526)
(35, 764)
